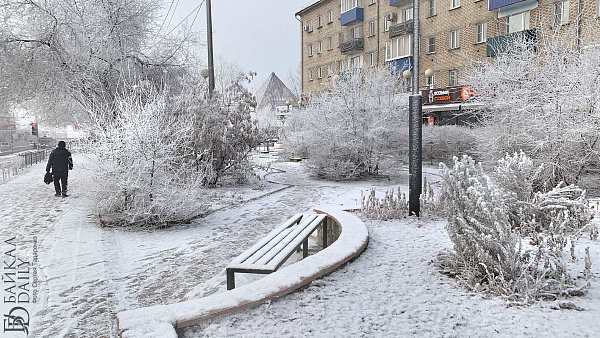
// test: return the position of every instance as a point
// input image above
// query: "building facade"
(342, 34)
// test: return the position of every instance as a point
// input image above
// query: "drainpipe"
(578, 29)
(378, 37)
(301, 56)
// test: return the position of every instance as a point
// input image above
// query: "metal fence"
(11, 166)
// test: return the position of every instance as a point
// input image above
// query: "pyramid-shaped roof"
(274, 93)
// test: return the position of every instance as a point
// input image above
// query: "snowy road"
(87, 273)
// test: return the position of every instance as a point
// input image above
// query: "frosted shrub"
(488, 255)
(145, 164)
(350, 131)
(394, 204)
(532, 209)
(444, 142)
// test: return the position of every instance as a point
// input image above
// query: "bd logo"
(17, 320)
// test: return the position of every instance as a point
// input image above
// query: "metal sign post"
(415, 126)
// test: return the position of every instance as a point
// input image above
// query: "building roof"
(313, 6)
(274, 93)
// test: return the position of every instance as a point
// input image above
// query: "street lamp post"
(415, 126)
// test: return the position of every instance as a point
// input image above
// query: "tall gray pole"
(211, 66)
(415, 126)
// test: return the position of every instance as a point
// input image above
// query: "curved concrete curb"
(160, 321)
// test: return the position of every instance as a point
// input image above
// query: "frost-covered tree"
(145, 162)
(350, 130)
(541, 99)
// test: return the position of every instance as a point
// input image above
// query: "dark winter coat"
(60, 161)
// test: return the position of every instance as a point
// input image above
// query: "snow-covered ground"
(394, 290)
(87, 274)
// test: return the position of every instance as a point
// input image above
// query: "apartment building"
(342, 34)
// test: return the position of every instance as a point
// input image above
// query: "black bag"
(48, 178)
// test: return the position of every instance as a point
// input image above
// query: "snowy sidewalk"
(87, 274)
(393, 290)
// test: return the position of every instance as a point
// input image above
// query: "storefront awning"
(430, 108)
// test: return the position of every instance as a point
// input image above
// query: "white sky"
(259, 35)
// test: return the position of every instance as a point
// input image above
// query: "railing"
(403, 28)
(11, 166)
(355, 44)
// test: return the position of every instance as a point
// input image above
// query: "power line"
(173, 14)
(166, 16)
(196, 10)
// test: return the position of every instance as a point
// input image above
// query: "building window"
(481, 32)
(308, 26)
(398, 47)
(355, 62)
(518, 22)
(356, 32)
(454, 43)
(320, 21)
(372, 2)
(330, 70)
(372, 59)
(330, 16)
(350, 4)
(452, 78)
(432, 9)
(309, 49)
(431, 44)
(386, 25)
(431, 81)
(330, 43)
(407, 14)
(310, 74)
(320, 47)
(454, 4)
(371, 28)
(561, 13)
(341, 66)
(320, 72)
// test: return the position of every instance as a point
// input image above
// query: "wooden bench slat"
(286, 245)
(265, 240)
(267, 247)
(283, 255)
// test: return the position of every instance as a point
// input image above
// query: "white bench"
(272, 251)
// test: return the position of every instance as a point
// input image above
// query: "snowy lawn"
(394, 290)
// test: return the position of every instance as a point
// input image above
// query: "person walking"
(60, 162)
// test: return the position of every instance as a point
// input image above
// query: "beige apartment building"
(342, 34)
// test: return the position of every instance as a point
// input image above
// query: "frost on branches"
(543, 101)
(349, 131)
(161, 147)
(145, 166)
(488, 254)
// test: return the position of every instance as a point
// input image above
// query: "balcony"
(398, 66)
(352, 16)
(495, 4)
(400, 3)
(499, 44)
(401, 28)
(354, 45)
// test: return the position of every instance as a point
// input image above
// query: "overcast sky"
(259, 35)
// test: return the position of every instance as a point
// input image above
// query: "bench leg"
(230, 279)
(305, 248)
(325, 232)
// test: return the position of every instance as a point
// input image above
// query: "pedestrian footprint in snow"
(60, 162)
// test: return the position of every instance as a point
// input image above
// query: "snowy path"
(393, 290)
(87, 274)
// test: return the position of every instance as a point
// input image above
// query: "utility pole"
(211, 66)
(415, 126)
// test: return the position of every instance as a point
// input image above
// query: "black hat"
(62, 144)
